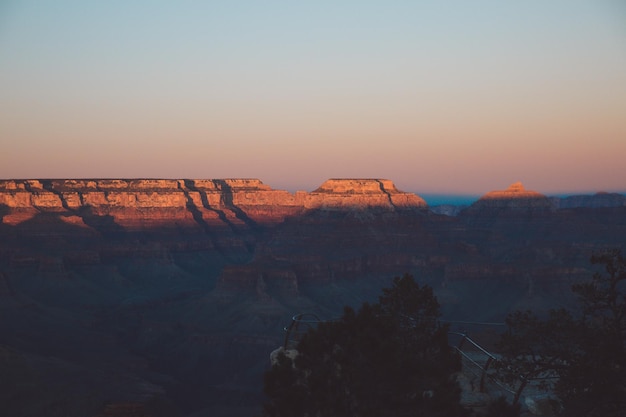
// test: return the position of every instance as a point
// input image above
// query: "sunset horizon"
(460, 99)
(432, 194)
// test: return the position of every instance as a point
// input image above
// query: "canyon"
(171, 293)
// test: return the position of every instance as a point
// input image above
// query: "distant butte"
(515, 197)
(515, 190)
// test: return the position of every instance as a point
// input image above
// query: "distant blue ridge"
(451, 199)
(468, 199)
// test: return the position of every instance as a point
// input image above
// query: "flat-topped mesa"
(515, 197)
(362, 194)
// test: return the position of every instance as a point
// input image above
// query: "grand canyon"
(170, 294)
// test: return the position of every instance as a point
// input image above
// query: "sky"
(438, 96)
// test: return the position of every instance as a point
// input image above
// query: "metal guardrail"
(294, 331)
(484, 368)
(486, 371)
(302, 322)
(482, 363)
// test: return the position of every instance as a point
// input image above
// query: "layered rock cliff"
(145, 203)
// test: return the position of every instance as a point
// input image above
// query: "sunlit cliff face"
(144, 203)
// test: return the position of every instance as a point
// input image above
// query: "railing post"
(518, 393)
(484, 374)
(293, 328)
(462, 341)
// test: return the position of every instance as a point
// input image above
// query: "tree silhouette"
(386, 359)
(585, 349)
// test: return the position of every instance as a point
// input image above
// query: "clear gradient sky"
(438, 96)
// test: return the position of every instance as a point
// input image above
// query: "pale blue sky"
(454, 96)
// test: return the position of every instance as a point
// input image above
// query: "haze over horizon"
(454, 98)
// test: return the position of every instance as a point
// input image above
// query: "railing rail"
(486, 369)
(294, 332)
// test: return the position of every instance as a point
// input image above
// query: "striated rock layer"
(142, 203)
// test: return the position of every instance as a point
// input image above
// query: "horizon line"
(466, 194)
